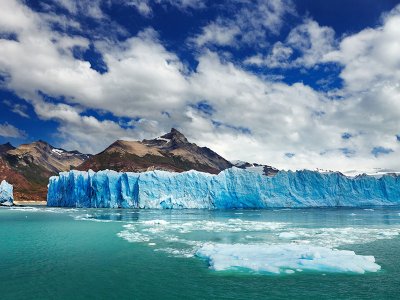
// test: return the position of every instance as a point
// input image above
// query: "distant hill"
(29, 166)
(170, 152)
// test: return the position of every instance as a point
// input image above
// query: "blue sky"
(295, 84)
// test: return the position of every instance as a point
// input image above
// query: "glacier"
(6, 194)
(232, 188)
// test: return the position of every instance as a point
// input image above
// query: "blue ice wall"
(6, 193)
(232, 188)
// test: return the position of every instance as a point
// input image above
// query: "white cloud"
(250, 23)
(312, 41)
(305, 46)
(371, 61)
(19, 109)
(143, 78)
(66, 15)
(253, 118)
(140, 70)
(145, 7)
(279, 116)
(77, 131)
(8, 130)
(293, 119)
(89, 8)
(371, 56)
(278, 58)
(217, 33)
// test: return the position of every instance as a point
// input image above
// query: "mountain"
(29, 166)
(256, 168)
(6, 147)
(45, 156)
(170, 152)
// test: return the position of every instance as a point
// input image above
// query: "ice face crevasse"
(232, 188)
(6, 193)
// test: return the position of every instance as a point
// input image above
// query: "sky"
(293, 84)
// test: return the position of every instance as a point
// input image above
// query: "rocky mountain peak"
(8, 144)
(171, 151)
(42, 145)
(175, 136)
(6, 147)
(34, 148)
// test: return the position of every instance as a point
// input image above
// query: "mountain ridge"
(29, 166)
(169, 152)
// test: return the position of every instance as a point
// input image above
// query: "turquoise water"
(49, 253)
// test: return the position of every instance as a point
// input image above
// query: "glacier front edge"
(230, 189)
(6, 194)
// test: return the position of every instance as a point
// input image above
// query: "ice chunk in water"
(285, 258)
(6, 193)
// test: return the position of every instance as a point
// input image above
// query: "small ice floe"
(288, 235)
(285, 258)
(133, 236)
(7, 203)
(155, 222)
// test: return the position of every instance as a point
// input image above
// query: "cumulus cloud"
(305, 46)
(281, 118)
(141, 72)
(248, 24)
(311, 126)
(218, 33)
(8, 130)
(219, 104)
(371, 60)
(79, 131)
(371, 56)
(278, 58)
(143, 80)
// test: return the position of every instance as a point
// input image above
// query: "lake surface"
(57, 253)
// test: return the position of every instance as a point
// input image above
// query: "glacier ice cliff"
(6, 193)
(232, 188)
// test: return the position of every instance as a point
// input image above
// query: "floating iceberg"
(232, 188)
(6, 194)
(285, 258)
